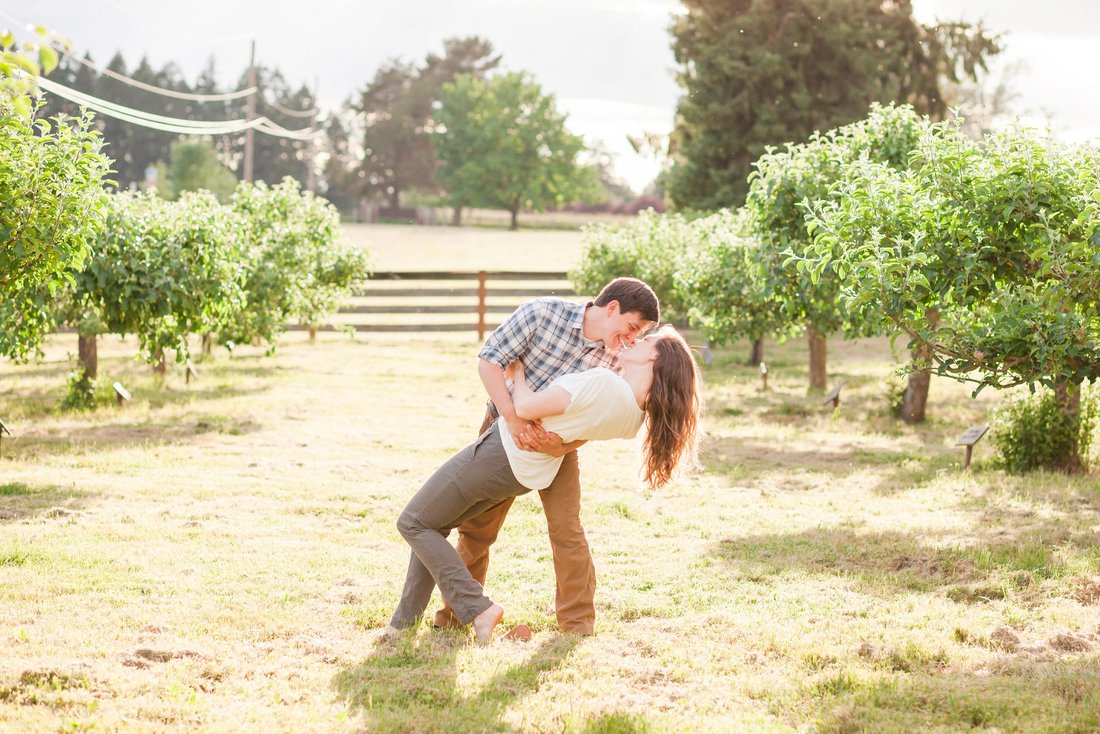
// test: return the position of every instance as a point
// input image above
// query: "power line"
(291, 113)
(195, 97)
(190, 96)
(172, 124)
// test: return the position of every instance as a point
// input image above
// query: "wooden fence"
(427, 301)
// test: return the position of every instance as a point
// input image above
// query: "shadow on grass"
(91, 439)
(411, 684)
(897, 469)
(19, 501)
(1061, 696)
(997, 564)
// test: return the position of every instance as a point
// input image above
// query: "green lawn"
(220, 556)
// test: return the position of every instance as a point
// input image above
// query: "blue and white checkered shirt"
(547, 335)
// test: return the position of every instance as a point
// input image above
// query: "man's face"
(622, 329)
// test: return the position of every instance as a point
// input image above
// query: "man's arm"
(534, 406)
(492, 377)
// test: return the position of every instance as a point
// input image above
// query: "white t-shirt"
(602, 407)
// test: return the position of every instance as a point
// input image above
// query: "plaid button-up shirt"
(547, 335)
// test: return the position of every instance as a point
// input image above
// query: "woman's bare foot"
(486, 622)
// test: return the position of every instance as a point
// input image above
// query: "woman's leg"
(472, 481)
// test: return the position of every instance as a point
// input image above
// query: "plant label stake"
(191, 372)
(968, 439)
(834, 396)
(764, 377)
(121, 393)
(3, 430)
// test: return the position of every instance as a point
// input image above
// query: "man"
(554, 337)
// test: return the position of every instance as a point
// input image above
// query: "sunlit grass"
(221, 555)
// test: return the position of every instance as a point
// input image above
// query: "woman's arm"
(531, 405)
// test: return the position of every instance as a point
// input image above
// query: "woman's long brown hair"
(672, 409)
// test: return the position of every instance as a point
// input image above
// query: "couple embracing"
(558, 374)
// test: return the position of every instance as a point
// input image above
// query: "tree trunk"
(394, 199)
(160, 367)
(515, 219)
(312, 333)
(207, 346)
(1068, 397)
(456, 216)
(88, 355)
(916, 392)
(818, 373)
(756, 356)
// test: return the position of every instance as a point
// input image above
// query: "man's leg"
(475, 536)
(576, 574)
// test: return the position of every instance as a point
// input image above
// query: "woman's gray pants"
(473, 480)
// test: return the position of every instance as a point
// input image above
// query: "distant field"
(408, 247)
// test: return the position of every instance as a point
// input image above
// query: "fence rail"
(387, 294)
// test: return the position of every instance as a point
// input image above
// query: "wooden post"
(482, 292)
(764, 377)
(250, 114)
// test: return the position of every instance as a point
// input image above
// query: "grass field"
(220, 556)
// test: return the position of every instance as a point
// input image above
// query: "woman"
(659, 385)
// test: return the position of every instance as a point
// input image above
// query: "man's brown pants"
(576, 574)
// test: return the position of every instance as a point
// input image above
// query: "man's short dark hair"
(633, 296)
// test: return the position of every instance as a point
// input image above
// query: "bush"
(1034, 433)
(296, 265)
(650, 248)
(81, 394)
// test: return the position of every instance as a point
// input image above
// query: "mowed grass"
(220, 556)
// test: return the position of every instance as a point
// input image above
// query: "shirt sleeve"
(511, 340)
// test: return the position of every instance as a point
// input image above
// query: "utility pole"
(249, 134)
(311, 173)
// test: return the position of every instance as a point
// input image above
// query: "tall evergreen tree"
(763, 72)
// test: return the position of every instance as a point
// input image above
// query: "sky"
(608, 62)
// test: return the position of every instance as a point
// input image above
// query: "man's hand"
(526, 434)
(549, 443)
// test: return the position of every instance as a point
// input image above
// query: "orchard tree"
(760, 72)
(52, 201)
(295, 265)
(1000, 238)
(780, 189)
(162, 271)
(722, 280)
(503, 145)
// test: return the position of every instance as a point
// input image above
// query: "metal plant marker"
(121, 393)
(969, 438)
(833, 396)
